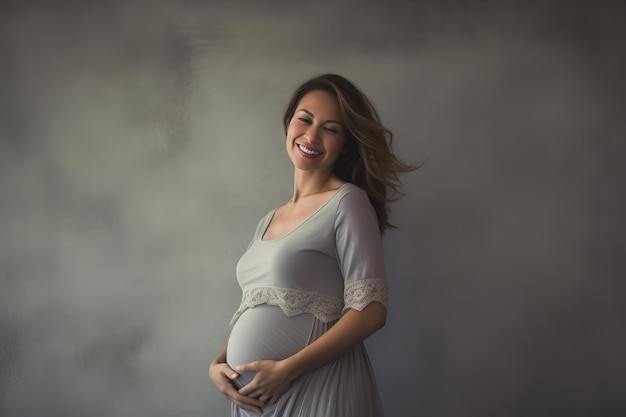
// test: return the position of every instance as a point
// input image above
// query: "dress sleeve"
(360, 251)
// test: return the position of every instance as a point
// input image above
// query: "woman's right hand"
(222, 376)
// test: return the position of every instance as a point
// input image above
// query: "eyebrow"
(327, 121)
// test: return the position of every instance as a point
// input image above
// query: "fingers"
(248, 403)
(222, 376)
(268, 383)
(224, 369)
(230, 374)
(248, 367)
(264, 392)
(251, 389)
(242, 401)
(268, 399)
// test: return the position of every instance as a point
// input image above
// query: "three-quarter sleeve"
(360, 251)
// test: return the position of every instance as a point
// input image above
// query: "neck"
(307, 183)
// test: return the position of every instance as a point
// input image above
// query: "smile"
(308, 151)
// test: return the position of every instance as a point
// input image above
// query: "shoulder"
(350, 195)
(262, 224)
(353, 205)
(356, 223)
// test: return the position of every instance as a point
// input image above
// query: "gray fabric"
(337, 247)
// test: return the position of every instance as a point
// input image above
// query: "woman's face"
(316, 136)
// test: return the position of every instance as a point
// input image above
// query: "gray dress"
(295, 288)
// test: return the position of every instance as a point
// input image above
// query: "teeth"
(308, 151)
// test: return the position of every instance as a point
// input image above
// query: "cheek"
(295, 131)
(290, 137)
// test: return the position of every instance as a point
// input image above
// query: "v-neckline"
(269, 222)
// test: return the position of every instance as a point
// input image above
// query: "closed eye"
(304, 120)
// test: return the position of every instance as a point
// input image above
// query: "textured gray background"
(141, 142)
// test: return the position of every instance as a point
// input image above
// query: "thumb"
(232, 375)
(247, 367)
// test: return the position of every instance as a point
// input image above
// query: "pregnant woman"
(313, 277)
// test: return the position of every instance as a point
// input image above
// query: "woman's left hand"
(270, 382)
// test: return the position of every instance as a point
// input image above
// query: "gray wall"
(141, 142)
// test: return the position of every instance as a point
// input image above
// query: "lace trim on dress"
(358, 294)
(325, 308)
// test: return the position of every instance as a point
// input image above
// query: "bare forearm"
(221, 357)
(353, 328)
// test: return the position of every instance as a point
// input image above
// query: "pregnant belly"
(265, 332)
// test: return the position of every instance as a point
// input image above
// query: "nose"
(313, 134)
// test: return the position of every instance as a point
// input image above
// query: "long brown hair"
(369, 161)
